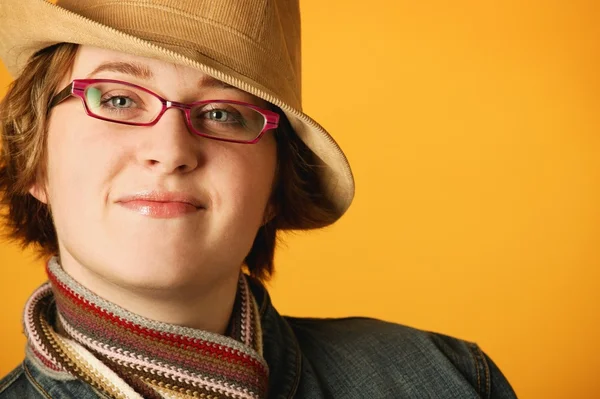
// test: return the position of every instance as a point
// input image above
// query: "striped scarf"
(127, 356)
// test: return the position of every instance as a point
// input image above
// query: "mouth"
(162, 204)
(160, 209)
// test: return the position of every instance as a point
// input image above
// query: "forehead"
(93, 62)
(89, 58)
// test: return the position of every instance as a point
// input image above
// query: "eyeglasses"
(130, 104)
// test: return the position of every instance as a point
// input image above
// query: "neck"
(206, 307)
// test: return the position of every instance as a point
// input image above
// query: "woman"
(152, 150)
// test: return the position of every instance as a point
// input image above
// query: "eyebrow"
(143, 72)
(207, 81)
(129, 68)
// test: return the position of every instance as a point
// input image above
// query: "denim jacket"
(328, 358)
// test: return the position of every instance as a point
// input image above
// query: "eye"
(120, 102)
(219, 115)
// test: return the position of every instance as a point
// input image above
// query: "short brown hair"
(296, 197)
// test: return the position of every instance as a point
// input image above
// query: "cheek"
(244, 180)
(79, 161)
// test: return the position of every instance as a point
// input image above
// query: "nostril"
(179, 168)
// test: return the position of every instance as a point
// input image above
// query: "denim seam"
(8, 382)
(480, 362)
(33, 381)
(476, 369)
(298, 370)
(293, 388)
(488, 382)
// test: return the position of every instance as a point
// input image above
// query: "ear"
(39, 193)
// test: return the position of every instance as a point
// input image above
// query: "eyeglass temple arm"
(62, 95)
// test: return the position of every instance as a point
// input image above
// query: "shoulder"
(30, 380)
(364, 334)
(393, 353)
(16, 386)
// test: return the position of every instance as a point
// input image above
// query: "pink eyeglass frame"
(77, 89)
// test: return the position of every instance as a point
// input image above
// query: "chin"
(157, 271)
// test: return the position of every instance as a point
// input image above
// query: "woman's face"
(94, 167)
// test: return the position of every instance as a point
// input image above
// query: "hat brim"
(27, 26)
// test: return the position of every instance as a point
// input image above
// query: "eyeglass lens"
(127, 104)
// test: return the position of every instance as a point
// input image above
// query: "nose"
(169, 147)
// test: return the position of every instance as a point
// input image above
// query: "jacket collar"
(280, 347)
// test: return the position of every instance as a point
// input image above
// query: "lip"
(161, 204)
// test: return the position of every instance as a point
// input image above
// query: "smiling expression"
(155, 206)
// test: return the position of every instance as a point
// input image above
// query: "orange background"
(473, 130)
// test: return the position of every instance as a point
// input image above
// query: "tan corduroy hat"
(251, 44)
